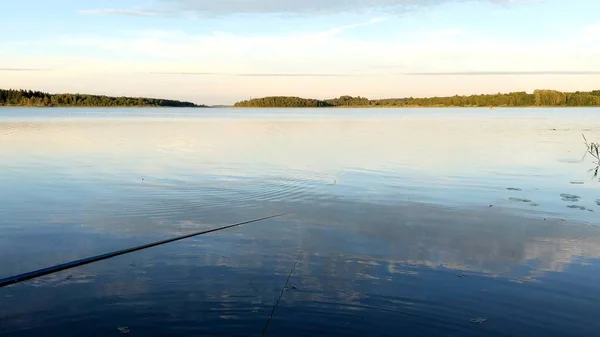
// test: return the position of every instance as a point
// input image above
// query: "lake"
(412, 222)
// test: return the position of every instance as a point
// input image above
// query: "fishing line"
(69, 265)
(264, 331)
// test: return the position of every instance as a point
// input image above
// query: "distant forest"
(545, 98)
(42, 99)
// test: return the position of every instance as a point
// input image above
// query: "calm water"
(400, 222)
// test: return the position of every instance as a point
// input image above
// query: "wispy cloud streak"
(184, 73)
(23, 69)
(258, 74)
(295, 75)
(284, 7)
(502, 73)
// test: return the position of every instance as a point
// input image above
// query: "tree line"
(283, 102)
(542, 98)
(42, 99)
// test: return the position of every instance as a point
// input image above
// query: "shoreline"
(422, 107)
(96, 107)
(303, 108)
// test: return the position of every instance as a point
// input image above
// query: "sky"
(223, 51)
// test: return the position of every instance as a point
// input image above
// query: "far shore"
(423, 107)
(296, 108)
(538, 99)
(103, 107)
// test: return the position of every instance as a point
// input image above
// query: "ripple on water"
(63, 279)
(176, 268)
(184, 197)
(415, 284)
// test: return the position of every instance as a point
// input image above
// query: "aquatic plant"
(594, 171)
(593, 149)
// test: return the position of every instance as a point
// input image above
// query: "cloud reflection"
(82, 187)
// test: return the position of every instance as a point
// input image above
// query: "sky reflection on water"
(392, 217)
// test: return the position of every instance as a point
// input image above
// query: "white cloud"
(290, 7)
(310, 63)
(338, 30)
(592, 32)
(325, 52)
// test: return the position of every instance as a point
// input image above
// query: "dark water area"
(425, 222)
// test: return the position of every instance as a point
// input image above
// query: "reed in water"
(593, 149)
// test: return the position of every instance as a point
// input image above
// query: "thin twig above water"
(592, 148)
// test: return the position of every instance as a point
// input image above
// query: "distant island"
(540, 98)
(28, 98)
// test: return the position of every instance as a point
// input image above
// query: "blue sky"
(218, 52)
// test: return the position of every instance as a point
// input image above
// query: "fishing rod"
(69, 265)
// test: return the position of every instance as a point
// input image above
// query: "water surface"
(400, 221)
